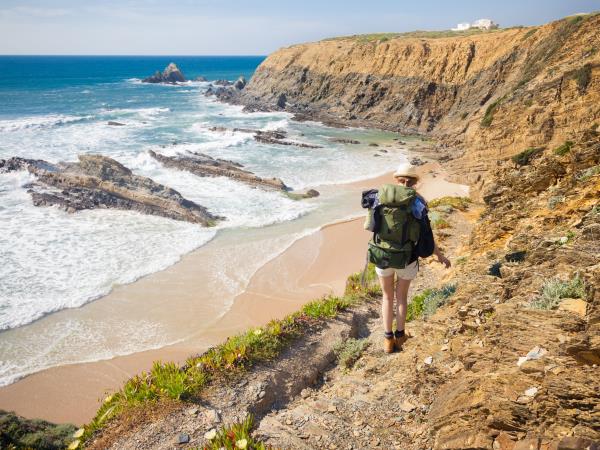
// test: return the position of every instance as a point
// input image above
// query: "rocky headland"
(484, 97)
(97, 181)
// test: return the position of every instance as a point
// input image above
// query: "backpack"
(395, 239)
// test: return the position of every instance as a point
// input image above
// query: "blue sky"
(205, 27)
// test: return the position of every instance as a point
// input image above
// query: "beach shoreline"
(302, 272)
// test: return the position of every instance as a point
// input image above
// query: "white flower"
(242, 443)
(79, 433)
(73, 445)
(258, 332)
(210, 435)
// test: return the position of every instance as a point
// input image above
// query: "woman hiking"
(402, 234)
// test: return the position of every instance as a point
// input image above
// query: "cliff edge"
(485, 96)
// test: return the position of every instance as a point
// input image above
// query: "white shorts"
(408, 273)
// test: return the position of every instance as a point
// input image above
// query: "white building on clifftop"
(482, 24)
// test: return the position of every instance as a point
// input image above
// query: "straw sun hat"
(406, 170)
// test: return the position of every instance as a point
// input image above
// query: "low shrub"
(555, 200)
(427, 302)
(488, 117)
(555, 289)
(583, 76)
(588, 173)
(460, 203)
(523, 158)
(349, 351)
(563, 149)
(529, 33)
(234, 437)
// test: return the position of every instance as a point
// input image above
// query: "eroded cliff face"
(485, 96)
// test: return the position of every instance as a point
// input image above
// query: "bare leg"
(401, 302)
(387, 286)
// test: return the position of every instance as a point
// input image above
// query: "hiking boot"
(388, 344)
(400, 340)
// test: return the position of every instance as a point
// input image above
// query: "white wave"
(37, 122)
(61, 259)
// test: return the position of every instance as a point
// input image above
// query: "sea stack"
(171, 75)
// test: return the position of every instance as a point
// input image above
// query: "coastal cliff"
(484, 96)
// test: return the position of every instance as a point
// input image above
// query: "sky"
(233, 27)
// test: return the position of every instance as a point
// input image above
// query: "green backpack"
(393, 244)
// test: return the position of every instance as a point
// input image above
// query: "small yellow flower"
(258, 332)
(73, 445)
(108, 399)
(210, 435)
(79, 433)
(242, 443)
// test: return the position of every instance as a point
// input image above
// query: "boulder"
(171, 75)
(281, 101)
(200, 78)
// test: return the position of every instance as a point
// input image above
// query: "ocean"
(56, 107)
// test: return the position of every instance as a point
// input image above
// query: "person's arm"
(440, 257)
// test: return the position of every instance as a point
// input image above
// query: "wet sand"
(311, 267)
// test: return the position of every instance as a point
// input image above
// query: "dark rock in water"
(240, 83)
(171, 74)
(276, 137)
(200, 78)
(207, 166)
(373, 144)
(281, 101)
(311, 193)
(222, 83)
(344, 141)
(268, 137)
(97, 181)
(115, 124)
(417, 161)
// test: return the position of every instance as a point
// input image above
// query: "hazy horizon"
(206, 28)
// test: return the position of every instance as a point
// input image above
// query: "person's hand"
(443, 260)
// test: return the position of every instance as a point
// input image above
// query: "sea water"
(55, 108)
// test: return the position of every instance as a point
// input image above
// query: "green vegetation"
(523, 158)
(529, 33)
(588, 173)
(460, 203)
(437, 220)
(488, 117)
(17, 432)
(461, 260)
(234, 437)
(583, 76)
(426, 303)
(563, 149)
(349, 351)
(419, 34)
(168, 382)
(554, 290)
(555, 200)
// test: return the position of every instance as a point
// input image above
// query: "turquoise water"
(55, 108)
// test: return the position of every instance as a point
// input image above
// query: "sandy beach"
(313, 266)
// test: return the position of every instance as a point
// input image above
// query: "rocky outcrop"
(100, 182)
(170, 75)
(268, 137)
(205, 166)
(240, 83)
(485, 96)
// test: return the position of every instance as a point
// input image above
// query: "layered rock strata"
(100, 182)
(485, 96)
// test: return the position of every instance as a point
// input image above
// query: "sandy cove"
(311, 267)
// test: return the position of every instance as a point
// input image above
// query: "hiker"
(401, 234)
